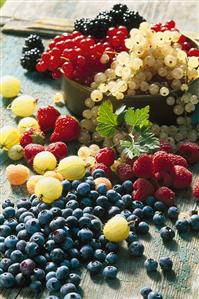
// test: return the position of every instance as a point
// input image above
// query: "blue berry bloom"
(145, 292)
(136, 249)
(167, 233)
(110, 272)
(150, 265)
(166, 263)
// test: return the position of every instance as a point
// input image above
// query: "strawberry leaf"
(107, 120)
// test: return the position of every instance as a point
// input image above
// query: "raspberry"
(124, 172)
(31, 150)
(161, 162)
(190, 151)
(163, 178)
(142, 189)
(165, 146)
(166, 195)
(46, 117)
(130, 161)
(178, 160)
(106, 156)
(32, 136)
(142, 167)
(58, 149)
(67, 128)
(103, 167)
(196, 189)
(182, 177)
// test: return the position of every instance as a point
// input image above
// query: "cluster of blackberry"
(31, 52)
(118, 15)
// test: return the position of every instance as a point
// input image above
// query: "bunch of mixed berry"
(31, 52)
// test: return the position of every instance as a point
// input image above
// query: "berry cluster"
(31, 52)
(80, 57)
(118, 15)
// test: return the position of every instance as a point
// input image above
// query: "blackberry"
(132, 19)
(117, 13)
(34, 41)
(81, 25)
(29, 59)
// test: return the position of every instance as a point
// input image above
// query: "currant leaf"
(137, 118)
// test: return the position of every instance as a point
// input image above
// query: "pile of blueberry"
(45, 245)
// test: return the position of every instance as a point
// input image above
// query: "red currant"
(182, 39)
(170, 24)
(56, 74)
(81, 61)
(186, 46)
(68, 69)
(86, 43)
(41, 66)
(112, 31)
(193, 52)
(123, 29)
(68, 44)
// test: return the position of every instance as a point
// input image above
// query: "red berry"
(142, 167)
(58, 149)
(46, 117)
(123, 29)
(177, 160)
(182, 177)
(81, 61)
(32, 136)
(124, 172)
(186, 46)
(56, 74)
(193, 52)
(163, 178)
(67, 128)
(190, 151)
(182, 39)
(142, 189)
(112, 31)
(106, 156)
(170, 24)
(161, 162)
(165, 146)
(166, 195)
(68, 69)
(41, 66)
(103, 167)
(31, 150)
(196, 189)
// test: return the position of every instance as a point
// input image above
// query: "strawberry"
(67, 128)
(32, 135)
(58, 149)
(31, 150)
(46, 117)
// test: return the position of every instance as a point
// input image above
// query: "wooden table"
(183, 283)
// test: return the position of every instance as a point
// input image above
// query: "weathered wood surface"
(183, 283)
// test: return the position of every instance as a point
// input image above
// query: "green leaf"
(137, 118)
(130, 150)
(107, 120)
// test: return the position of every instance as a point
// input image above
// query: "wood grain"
(183, 283)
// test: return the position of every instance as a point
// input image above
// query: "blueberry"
(173, 213)
(127, 186)
(27, 266)
(74, 263)
(85, 235)
(70, 196)
(11, 241)
(67, 212)
(91, 184)
(145, 292)
(56, 211)
(99, 211)
(7, 203)
(160, 206)
(148, 212)
(20, 227)
(45, 216)
(159, 219)
(40, 260)
(136, 248)
(38, 274)
(72, 221)
(17, 256)
(94, 267)
(58, 222)
(126, 213)
(72, 204)
(68, 244)
(127, 200)
(21, 244)
(100, 255)
(11, 222)
(83, 189)
(110, 272)
(111, 258)
(166, 263)
(112, 195)
(14, 269)
(5, 263)
(138, 212)
(7, 280)
(52, 297)
(25, 214)
(86, 252)
(93, 195)
(120, 204)
(44, 206)
(53, 285)
(21, 280)
(36, 286)
(75, 183)
(57, 255)
(32, 226)
(2, 219)
(143, 228)
(32, 249)
(62, 272)
(97, 173)
(50, 266)
(24, 203)
(68, 288)
(194, 222)
(132, 237)
(59, 235)
(74, 278)
(73, 295)
(110, 246)
(155, 295)
(66, 187)
(38, 238)
(65, 263)
(86, 201)
(101, 189)
(35, 210)
(78, 213)
(23, 235)
(166, 233)
(8, 253)
(150, 265)
(114, 211)
(5, 230)
(118, 188)
(182, 225)
(50, 275)
(96, 225)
